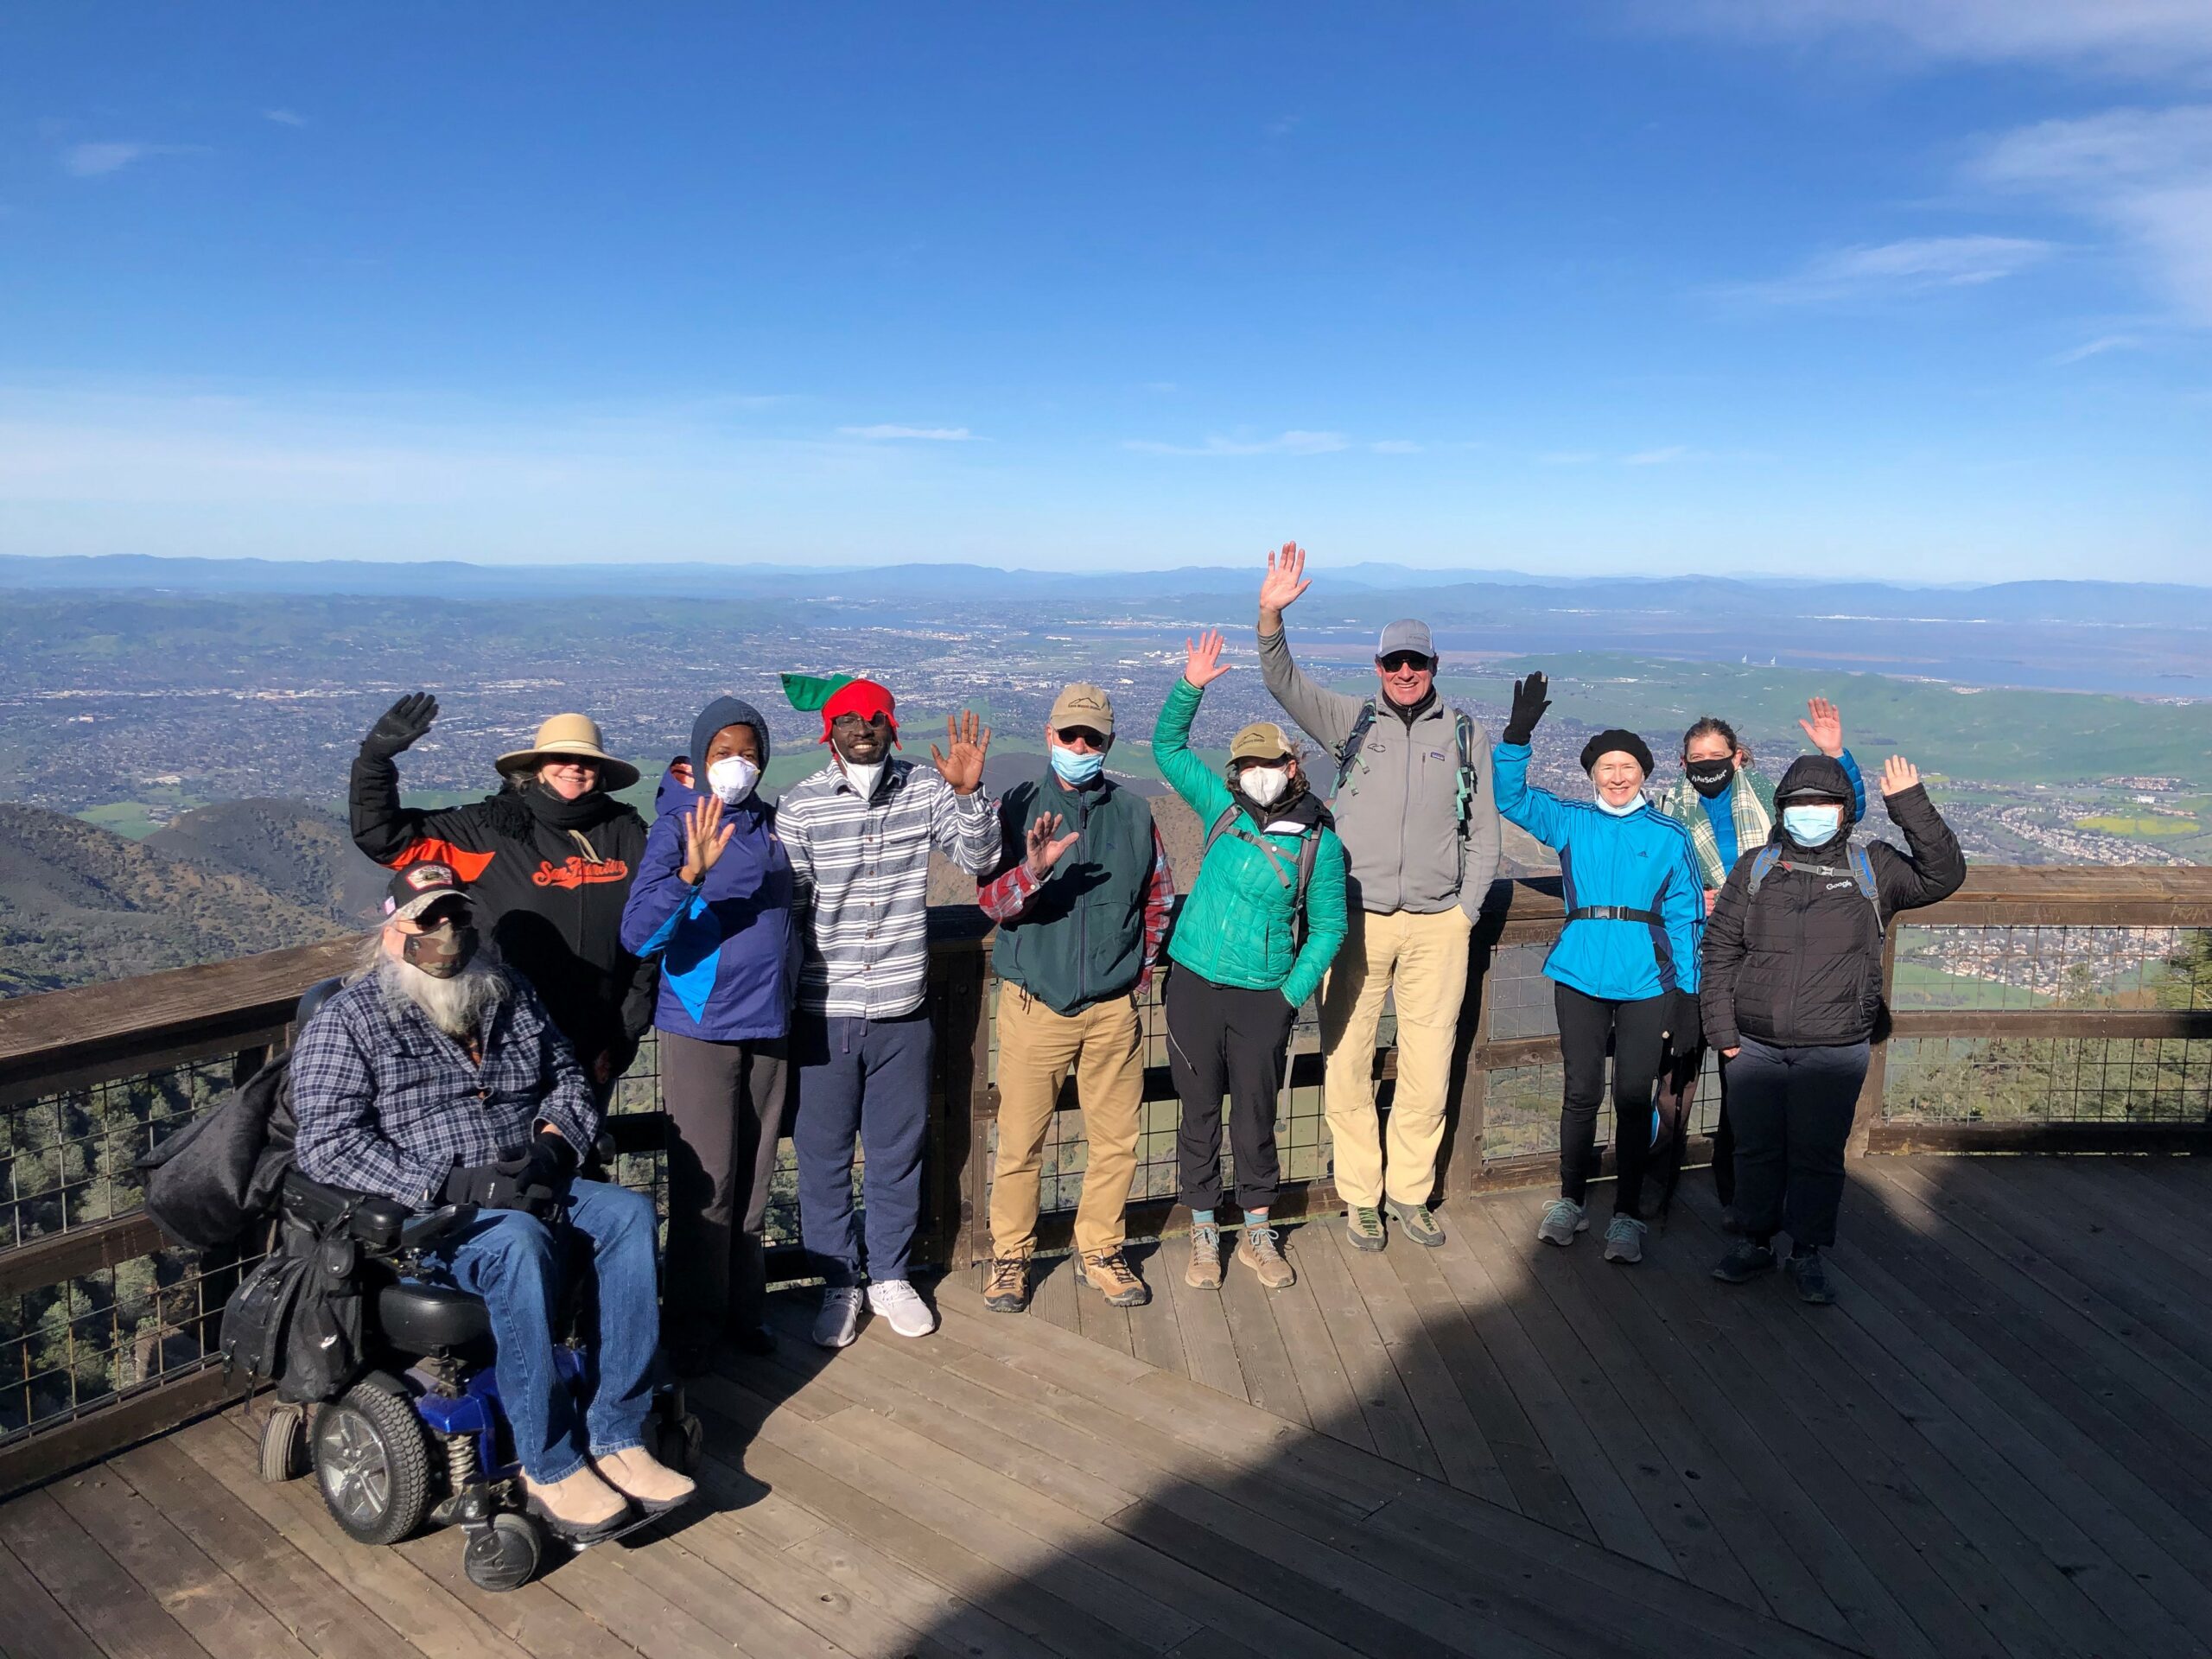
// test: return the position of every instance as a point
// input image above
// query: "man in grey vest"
(1412, 807)
(1081, 902)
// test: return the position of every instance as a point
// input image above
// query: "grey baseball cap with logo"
(1405, 634)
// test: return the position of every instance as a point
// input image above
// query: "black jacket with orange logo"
(551, 877)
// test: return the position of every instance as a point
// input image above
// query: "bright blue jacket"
(727, 950)
(1641, 862)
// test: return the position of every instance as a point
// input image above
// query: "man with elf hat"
(859, 833)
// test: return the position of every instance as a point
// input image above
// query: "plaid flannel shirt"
(1008, 894)
(386, 1103)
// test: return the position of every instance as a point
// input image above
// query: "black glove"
(399, 726)
(504, 1184)
(1529, 705)
(551, 1163)
(1685, 1023)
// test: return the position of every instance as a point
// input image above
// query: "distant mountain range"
(79, 904)
(1468, 594)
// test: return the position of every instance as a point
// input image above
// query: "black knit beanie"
(1626, 742)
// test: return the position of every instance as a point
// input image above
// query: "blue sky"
(1919, 288)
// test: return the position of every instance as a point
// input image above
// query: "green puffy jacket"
(1237, 926)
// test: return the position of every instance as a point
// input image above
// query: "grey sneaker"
(1624, 1240)
(1008, 1289)
(1745, 1261)
(1109, 1272)
(839, 1322)
(1415, 1222)
(1205, 1270)
(1363, 1225)
(1261, 1249)
(1563, 1219)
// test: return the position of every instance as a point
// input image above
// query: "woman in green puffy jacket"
(1262, 922)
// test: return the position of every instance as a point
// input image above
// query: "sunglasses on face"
(854, 723)
(1398, 661)
(1080, 737)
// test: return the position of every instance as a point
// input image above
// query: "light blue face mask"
(1073, 766)
(1811, 826)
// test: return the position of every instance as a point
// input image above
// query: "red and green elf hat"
(841, 694)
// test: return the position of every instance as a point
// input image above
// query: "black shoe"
(757, 1342)
(1810, 1275)
(1744, 1263)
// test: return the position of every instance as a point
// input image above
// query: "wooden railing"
(91, 1078)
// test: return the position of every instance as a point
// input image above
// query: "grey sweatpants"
(726, 1107)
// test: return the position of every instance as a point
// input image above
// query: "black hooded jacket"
(1800, 964)
(551, 877)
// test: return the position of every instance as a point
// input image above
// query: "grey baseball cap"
(1405, 634)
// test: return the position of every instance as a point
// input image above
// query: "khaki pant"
(1421, 962)
(1104, 1043)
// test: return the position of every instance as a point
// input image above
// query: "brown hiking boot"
(1109, 1272)
(1261, 1249)
(1205, 1271)
(1007, 1289)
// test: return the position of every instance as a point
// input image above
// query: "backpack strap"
(1309, 853)
(1762, 861)
(1859, 865)
(1348, 756)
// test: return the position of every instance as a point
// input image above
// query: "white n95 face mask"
(732, 778)
(1265, 784)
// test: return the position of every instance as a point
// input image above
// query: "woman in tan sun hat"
(548, 857)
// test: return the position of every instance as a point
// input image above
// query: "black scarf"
(516, 810)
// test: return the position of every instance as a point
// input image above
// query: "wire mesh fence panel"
(2048, 1079)
(1519, 996)
(72, 1157)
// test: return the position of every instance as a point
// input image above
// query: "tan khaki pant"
(1104, 1043)
(1421, 962)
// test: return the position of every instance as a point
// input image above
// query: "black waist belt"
(1610, 913)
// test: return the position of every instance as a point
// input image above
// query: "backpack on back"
(1467, 783)
(1309, 849)
(1860, 871)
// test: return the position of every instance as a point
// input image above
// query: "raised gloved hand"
(1529, 703)
(504, 1184)
(400, 727)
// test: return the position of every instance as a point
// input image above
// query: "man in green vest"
(1081, 902)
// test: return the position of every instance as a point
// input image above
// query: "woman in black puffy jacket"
(1791, 992)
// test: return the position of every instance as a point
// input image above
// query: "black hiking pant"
(1636, 1033)
(1793, 1108)
(1224, 1040)
(726, 1110)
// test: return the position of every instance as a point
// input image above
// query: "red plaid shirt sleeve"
(1158, 905)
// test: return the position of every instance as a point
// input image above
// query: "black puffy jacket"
(552, 877)
(1799, 965)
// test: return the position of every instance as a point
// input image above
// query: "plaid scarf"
(1751, 803)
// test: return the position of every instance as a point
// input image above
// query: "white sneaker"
(1563, 1219)
(1624, 1240)
(839, 1322)
(896, 1301)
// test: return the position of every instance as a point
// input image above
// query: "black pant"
(1793, 1108)
(726, 1110)
(1637, 1033)
(1222, 1041)
(1677, 1097)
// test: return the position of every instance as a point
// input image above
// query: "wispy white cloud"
(2097, 347)
(2149, 38)
(2144, 173)
(927, 433)
(1286, 443)
(1659, 457)
(285, 118)
(1917, 264)
(90, 161)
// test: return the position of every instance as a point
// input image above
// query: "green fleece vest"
(1081, 938)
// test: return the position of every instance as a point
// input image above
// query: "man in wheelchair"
(436, 1078)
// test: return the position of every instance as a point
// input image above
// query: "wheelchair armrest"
(424, 1231)
(380, 1225)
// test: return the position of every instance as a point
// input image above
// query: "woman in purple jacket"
(712, 901)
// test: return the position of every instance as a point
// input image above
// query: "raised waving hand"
(1043, 851)
(1284, 582)
(705, 838)
(1202, 664)
(969, 740)
(1824, 725)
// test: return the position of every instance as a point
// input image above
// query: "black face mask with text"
(1710, 777)
(440, 951)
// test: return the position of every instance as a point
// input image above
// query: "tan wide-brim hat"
(575, 736)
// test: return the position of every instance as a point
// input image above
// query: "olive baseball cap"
(1082, 705)
(1262, 741)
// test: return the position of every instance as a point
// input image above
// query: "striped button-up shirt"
(862, 872)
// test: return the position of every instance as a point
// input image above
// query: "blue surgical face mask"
(1811, 826)
(1073, 766)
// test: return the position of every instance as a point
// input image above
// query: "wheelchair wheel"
(502, 1553)
(285, 1444)
(372, 1465)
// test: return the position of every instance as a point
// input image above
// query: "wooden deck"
(2000, 1442)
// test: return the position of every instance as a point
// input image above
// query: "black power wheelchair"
(419, 1434)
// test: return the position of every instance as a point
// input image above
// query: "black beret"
(1626, 742)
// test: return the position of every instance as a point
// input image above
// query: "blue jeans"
(516, 1264)
(869, 1077)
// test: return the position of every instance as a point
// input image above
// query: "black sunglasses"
(1072, 735)
(1398, 660)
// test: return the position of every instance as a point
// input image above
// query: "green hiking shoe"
(1417, 1224)
(1363, 1225)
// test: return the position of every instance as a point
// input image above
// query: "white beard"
(459, 1006)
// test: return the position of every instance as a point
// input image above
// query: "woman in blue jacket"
(712, 901)
(1625, 971)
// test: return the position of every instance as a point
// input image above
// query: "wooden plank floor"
(1997, 1443)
